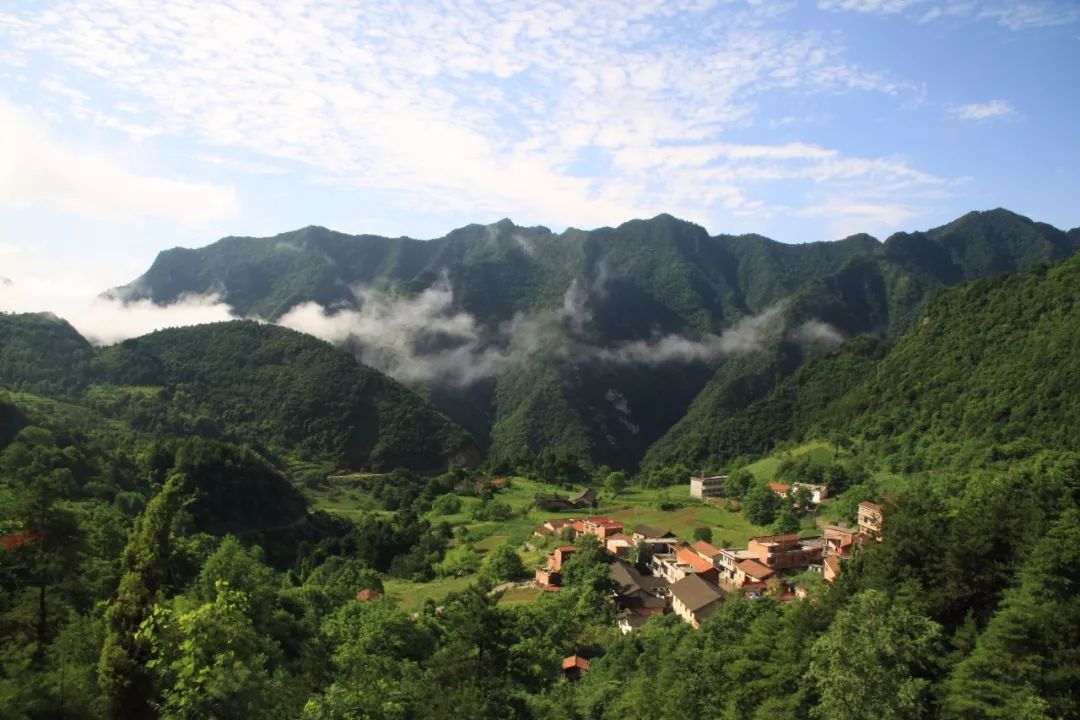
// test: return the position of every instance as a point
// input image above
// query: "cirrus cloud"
(37, 170)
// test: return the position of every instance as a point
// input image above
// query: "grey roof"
(586, 494)
(626, 578)
(695, 593)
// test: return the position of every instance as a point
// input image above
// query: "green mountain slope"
(882, 294)
(991, 365)
(263, 385)
(267, 385)
(792, 408)
(12, 420)
(584, 295)
(40, 353)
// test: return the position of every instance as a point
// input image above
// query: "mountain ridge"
(589, 294)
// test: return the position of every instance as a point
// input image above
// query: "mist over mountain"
(600, 344)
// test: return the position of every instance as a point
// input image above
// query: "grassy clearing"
(517, 596)
(342, 495)
(411, 596)
(821, 453)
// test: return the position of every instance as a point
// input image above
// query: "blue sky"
(129, 127)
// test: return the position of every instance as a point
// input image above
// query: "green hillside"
(278, 390)
(989, 370)
(272, 386)
(40, 353)
(579, 294)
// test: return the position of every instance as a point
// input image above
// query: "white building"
(817, 492)
(703, 487)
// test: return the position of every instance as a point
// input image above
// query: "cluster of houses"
(692, 579)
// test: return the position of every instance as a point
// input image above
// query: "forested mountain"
(285, 392)
(990, 367)
(160, 559)
(986, 373)
(787, 411)
(43, 354)
(539, 340)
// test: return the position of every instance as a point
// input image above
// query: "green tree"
(504, 564)
(616, 482)
(125, 680)
(1028, 657)
(459, 561)
(760, 504)
(211, 662)
(53, 548)
(738, 483)
(875, 662)
(703, 532)
(446, 504)
(786, 519)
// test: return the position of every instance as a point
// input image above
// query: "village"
(654, 572)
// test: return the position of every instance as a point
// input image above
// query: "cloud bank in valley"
(105, 321)
(420, 338)
(425, 338)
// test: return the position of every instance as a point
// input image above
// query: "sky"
(131, 126)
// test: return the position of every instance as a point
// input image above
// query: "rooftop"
(695, 593)
(754, 569)
(704, 548)
(686, 556)
(575, 661)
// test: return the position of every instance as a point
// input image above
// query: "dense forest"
(168, 550)
(601, 344)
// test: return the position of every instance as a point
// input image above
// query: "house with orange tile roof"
(786, 552)
(830, 568)
(550, 575)
(752, 572)
(780, 489)
(705, 550)
(573, 667)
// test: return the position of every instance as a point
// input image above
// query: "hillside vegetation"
(284, 392)
(989, 368)
(555, 303)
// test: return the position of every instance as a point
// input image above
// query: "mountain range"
(616, 345)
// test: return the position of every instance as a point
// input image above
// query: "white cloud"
(817, 332)
(414, 339)
(869, 6)
(104, 321)
(37, 170)
(252, 167)
(1007, 13)
(466, 105)
(993, 110)
(748, 335)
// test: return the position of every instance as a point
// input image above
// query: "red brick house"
(551, 574)
(601, 527)
(871, 518)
